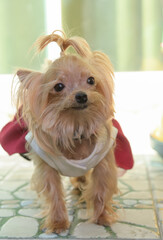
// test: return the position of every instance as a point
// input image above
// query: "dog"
(69, 110)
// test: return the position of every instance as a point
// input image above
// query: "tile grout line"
(154, 200)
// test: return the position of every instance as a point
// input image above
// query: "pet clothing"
(12, 139)
(76, 168)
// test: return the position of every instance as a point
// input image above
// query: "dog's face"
(72, 99)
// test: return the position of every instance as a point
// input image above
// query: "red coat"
(12, 139)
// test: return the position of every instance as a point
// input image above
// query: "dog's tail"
(79, 44)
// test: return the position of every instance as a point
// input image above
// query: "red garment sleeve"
(12, 136)
(123, 152)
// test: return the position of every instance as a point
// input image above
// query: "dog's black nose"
(81, 97)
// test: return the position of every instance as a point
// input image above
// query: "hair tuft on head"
(77, 43)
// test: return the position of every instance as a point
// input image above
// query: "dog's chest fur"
(81, 150)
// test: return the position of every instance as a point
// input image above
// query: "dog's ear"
(29, 78)
(22, 74)
(28, 90)
(103, 61)
(104, 68)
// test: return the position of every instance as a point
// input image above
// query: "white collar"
(76, 168)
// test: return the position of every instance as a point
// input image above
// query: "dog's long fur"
(54, 118)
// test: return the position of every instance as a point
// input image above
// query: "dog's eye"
(59, 87)
(91, 80)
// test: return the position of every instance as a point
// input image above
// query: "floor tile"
(4, 195)
(144, 217)
(11, 185)
(90, 231)
(137, 195)
(7, 213)
(127, 231)
(30, 212)
(138, 185)
(19, 227)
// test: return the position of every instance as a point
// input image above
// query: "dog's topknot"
(78, 43)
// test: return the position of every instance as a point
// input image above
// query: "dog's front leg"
(47, 182)
(100, 190)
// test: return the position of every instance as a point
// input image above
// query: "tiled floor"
(140, 204)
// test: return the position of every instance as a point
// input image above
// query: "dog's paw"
(106, 219)
(57, 227)
(61, 227)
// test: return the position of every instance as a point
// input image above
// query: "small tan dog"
(69, 111)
